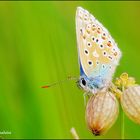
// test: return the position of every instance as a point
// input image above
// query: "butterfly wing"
(97, 50)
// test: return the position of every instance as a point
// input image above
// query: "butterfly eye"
(83, 81)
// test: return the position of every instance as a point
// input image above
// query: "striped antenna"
(60, 82)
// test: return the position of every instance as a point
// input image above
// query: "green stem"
(122, 119)
(123, 126)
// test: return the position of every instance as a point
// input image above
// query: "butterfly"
(97, 52)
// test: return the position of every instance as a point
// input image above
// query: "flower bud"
(130, 101)
(101, 112)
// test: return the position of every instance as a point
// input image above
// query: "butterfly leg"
(85, 95)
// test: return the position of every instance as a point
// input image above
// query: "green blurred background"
(37, 47)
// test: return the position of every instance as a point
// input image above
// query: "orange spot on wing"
(109, 44)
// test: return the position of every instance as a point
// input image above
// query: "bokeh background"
(37, 47)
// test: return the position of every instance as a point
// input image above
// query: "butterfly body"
(90, 84)
(97, 50)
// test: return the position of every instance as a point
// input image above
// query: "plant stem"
(74, 133)
(122, 119)
(123, 126)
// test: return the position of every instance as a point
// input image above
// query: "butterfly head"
(92, 85)
(82, 83)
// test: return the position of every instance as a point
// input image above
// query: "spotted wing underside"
(98, 52)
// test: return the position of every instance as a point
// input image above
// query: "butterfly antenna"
(60, 82)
